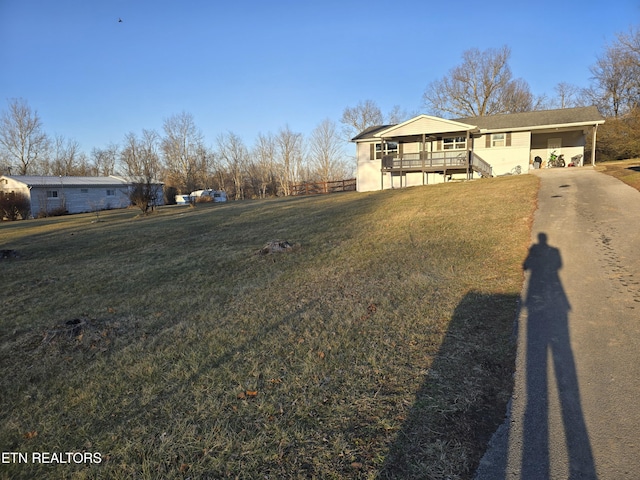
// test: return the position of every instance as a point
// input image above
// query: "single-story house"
(72, 194)
(427, 149)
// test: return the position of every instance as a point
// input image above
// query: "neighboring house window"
(498, 140)
(52, 194)
(454, 143)
(390, 148)
(111, 193)
(84, 190)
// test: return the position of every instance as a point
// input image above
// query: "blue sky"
(252, 67)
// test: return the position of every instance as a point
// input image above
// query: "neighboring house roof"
(535, 120)
(137, 179)
(52, 181)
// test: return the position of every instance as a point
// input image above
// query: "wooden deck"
(436, 162)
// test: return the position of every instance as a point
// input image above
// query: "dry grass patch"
(626, 170)
(379, 347)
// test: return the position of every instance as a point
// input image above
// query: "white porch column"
(468, 155)
(593, 145)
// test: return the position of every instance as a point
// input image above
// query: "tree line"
(482, 84)
(179, 156)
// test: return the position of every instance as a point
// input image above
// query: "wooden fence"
(313, 188)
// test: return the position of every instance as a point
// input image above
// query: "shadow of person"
(548, 338)
(464, 395)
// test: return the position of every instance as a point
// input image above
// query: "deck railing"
(430, 161)
(479, 165)
(425, 160)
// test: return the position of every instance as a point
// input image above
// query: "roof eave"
(542, 127)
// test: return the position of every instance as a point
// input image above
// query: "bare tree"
(289, 154)
(5, 164)
(22, 140)
(616, 91)
(631, 41)
(131, 155)
(364, 115)
(66, 157)
(616, 75)
(398, 114)
(140, 158)
(262, 164)
(568, 96)
(184, 150)
(203, 166)
(233, 152)
(83, 166)
(218, 173)
(481, 85)
(326, 152)
(104, 159)
(516, 97)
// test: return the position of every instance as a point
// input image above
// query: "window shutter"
(372, 151)
(487, 140)
(439, 144)
(508, 139)
(400, 149)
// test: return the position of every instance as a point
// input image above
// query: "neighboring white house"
(427, 149)
(72, 194)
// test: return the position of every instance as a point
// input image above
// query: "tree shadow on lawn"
(464, 396)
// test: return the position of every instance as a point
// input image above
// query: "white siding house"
(426, 149)
(71, 194)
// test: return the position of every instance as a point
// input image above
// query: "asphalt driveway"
(574, 412)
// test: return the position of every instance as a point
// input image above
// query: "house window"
(387, 148)
(111, 193)
(498, 140)
(52, 194)
(84, 190)
(454, 143)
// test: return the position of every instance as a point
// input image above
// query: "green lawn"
(380, 347)
(627, 171)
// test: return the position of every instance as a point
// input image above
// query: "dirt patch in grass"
(81, 334)
(278, 246)
(382, 349)
(627, 170)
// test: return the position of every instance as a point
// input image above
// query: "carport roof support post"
(593, 145)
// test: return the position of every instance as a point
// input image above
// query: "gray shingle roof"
(538, 118)
(370, 132)
(509, 121)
